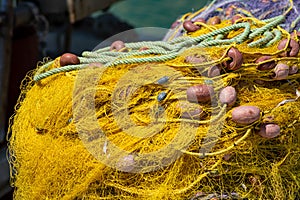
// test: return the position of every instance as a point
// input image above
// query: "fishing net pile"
(211, 112)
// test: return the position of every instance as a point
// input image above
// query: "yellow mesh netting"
(50, 159)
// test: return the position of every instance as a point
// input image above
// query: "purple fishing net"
(261, 9)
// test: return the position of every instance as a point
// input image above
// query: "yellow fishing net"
(127, 130)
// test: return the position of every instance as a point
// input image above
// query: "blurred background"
(32, 30)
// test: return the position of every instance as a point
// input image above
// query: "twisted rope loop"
(160, 51)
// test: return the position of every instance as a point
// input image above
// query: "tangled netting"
(260, 9)
(211, 114)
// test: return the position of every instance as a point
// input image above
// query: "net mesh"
(55, 138)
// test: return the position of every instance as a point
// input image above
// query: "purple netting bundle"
(260, 9)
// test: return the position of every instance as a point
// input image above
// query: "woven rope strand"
(56, 71)
(268, 37)
(267, 27)
(277, 37)
(169, 50)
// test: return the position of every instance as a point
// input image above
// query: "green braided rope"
(219, 37)
(227, 29)
(267, 37)
(276, 21)
(56, 71)
(215, 42)
(45, 66)
(145, 52)
(138, 45)
(244, 36)
(84, 60)
(158, 47)
(112, 53)
(92, 54)
(104, 60)
(198, 39)
(239, 39)
(277, 37)
(143, 60)
(271, 19)
(168, 50)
